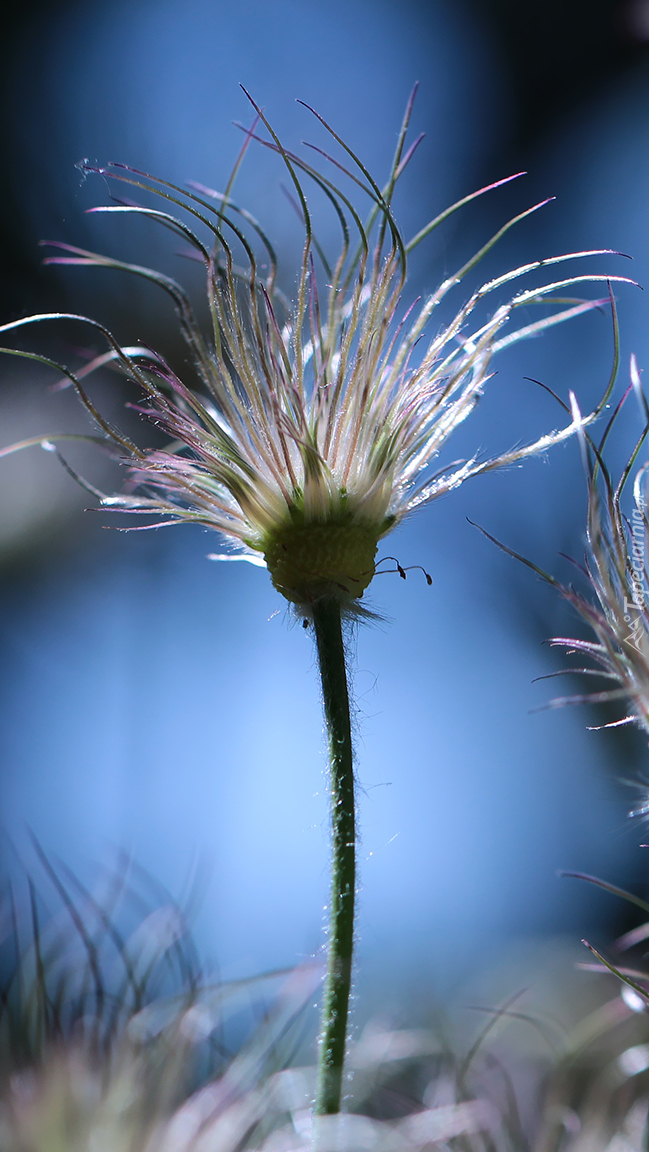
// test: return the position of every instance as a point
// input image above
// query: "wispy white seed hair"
(331, 410)
(615, 566)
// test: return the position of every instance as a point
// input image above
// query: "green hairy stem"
(335, 1008)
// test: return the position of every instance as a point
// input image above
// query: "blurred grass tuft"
(114, 1039)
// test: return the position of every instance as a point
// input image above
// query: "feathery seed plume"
(316, 423)
(615, 567)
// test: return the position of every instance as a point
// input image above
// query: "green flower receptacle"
(309, 561)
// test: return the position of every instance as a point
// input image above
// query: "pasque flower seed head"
(315, 424)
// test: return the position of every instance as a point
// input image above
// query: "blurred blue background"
(159, 702)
